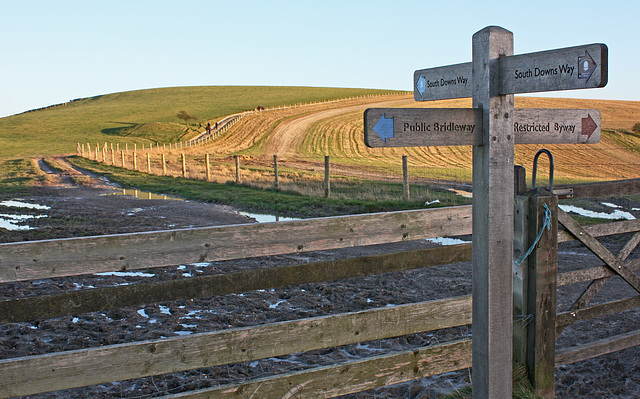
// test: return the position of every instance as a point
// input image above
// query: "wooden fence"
(534, 303)
(247, 170)
(69, 257)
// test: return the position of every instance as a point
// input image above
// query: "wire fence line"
(337, 178)
(399, 180)
(321, 178)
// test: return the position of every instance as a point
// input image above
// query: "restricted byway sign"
(580, 67)
(416, 127)
(556, 126)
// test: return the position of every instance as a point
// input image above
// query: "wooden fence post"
(148, 163)
(493, 207)
(207, 167)
(135, 160)
(405, 178)
(535, 284)
(122, 156)
(276, 183)
(184, 166)
(113, 156)
(327, 179)
(237, 161)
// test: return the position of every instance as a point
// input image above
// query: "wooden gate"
(536, 281)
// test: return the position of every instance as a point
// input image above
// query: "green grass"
(283, 203)
(56, 130)
(17, 174)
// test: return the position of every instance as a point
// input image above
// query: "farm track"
(302, 136)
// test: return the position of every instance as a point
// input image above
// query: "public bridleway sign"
(492, 127)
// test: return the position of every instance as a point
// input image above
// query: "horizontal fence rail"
(101, 299)
(75, 256)
(34, 374)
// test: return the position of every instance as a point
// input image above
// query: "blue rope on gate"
(546, 224)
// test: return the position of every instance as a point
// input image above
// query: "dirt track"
(287, 137)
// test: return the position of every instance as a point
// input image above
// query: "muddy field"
(79, 211)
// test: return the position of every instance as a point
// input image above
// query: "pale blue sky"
(54, 51)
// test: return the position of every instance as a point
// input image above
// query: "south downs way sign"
(580, 67)
(413, 127)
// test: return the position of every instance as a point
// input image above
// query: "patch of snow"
(275, 305)
(125, 274)
(598, 215)
(447, 241)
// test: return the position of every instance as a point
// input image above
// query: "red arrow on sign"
(588, 126)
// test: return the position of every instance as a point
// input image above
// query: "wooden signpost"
(493, 127)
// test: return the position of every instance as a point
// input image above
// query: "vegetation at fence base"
(248, 198)
(522, 388)
(16, 174)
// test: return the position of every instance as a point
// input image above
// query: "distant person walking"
(208, 128)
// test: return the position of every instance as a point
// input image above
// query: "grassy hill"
(302, 137)
(142, 116)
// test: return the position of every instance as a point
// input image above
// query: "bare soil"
(87, 210)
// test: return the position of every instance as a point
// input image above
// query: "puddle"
(143, 194)
(20, 204)
(11, 221)
(263, 218)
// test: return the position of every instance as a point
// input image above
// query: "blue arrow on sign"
(421, 85)
(384, 128)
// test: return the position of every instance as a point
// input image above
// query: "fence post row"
(237, 161)
(327, 179)
(405, 177)
(276, 183)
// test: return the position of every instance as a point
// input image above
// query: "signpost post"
(493, 127)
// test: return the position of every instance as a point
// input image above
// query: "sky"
(55, 51)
